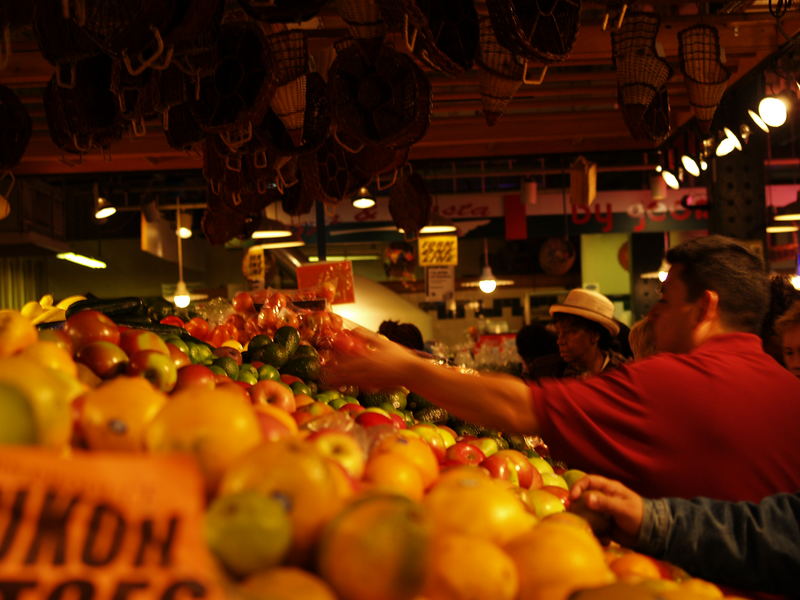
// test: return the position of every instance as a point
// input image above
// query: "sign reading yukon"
(101, 526)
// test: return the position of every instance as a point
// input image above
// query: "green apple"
(337, 403)
(375, 409)
(487, 445)
(543, 503)
(248, 531)
(447, 436)
(541, 464)
(17, 420)
(341, 447)
(555, 480)
(572, 475)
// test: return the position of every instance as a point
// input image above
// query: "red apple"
(156, 367)
(89, 326)
(233, 387)
(229, 352)
(309, 412)
(501, 467)
(289, 379)
(342, 448)
(399, 422)
(105, 359)
(272, 429)
(179, 357)
(527, 475)
(136, 340)
(352, 408)
(196, 376)
(273, 392)
(370, 419)
(559, 493)
(430, 433)
(465, 453)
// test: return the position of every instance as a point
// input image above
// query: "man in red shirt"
(711, 415)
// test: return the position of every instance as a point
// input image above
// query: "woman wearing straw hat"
(585, 326)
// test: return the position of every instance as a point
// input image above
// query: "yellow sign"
(102, 526)
(438, 250)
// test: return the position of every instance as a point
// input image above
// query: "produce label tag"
(438, 250)
(337, 275)
(102, 526)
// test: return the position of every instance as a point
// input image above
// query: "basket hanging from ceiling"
(314, 121)
(374, 161)
(135, 96)
(236, 95)
(540, 30)
(410, 204)
(193, 35)
(181, 128)
(15, 129)
(61, 41)
(704, 74)
(500, 73)
(642, 76)
(288, 55)
(85, 116)
(282, 11)
(337, 177)
(132, 30)
(289, 104)
(442, 35)
(385, 100)
(221, 224)
(362, 17)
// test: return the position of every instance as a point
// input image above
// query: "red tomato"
(277, 300)
(251, 328)
(220, 335)
(89, 326)
(243, 303)
(236, 321)
(198, 328)
(172, 320)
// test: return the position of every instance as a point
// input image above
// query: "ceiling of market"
(573, 111)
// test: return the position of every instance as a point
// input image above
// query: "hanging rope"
(778, 8)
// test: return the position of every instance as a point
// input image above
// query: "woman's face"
(790, 346)
(574, 340)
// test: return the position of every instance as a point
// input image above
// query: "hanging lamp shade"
(269, 229)
(790, 212)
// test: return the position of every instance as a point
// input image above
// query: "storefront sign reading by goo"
(440, 283)
(438, 250)
(329, 279)
(102, 526)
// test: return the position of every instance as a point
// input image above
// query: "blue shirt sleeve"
(742, 544)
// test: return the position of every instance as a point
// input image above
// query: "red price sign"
(336, 276)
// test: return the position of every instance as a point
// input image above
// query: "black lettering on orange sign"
(14, 520)
(52, 526)
(437, 253)
(77, 589)
(10, 590)
(147, 539)
(103, 514)
(186, 589)
(125, 588)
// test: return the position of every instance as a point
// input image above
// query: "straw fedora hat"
(589, 305)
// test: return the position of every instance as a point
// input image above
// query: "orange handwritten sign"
(338, 275)
(102, 526)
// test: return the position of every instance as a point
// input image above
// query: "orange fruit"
(555, 560)
(480, 507)
(635, 566)
(392, 472)
(470, 568)
(115, 415)
(16, 332)
(51, 355)
(414, 449)
(295, 470)
(286, 583)
(215, 426)
(376, 549)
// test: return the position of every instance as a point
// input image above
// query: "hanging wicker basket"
(15, 129)
(410, 204)
(500, 73)
(288, 55)
(362, 17)
(289, 104)
(704, 74)
(282, 11)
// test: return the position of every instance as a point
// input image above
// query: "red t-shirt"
(722, 421)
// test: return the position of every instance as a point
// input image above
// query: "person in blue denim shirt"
(747, 545)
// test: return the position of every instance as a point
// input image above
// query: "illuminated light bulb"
(773, 111)
(181, 298)
(690, 165)
(670, 179)
(724, 147)
(487, 283)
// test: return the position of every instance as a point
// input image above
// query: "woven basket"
(650, 123)
(289, 104)
(288, 55)
(181, 128)
(500, 73)
(282, 11)
(15, 129)
(704, 74)
(540, 30)
(636, 36)
(335, 172)
(362, 17)
(60, 40)
(640, 77)
(410, 204)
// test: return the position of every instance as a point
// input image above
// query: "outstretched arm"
(493, 400)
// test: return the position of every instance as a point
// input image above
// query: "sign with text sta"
(438, 250)
(102, 526)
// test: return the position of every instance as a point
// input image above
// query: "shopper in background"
(536, 341)
(742, 544)
(405, 334)
(710, 415)
(782, 294)
(585, 330)
(642, 339)
(788, 328)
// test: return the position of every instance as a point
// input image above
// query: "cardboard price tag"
(438, 250)
(102, 526)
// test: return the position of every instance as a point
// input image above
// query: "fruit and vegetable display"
(312, 492)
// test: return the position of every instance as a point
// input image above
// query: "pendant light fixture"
(102, 207)
(181, 297)
(487, 282)
(270, 228)
(773, 110)
(363, 199)
(183, 225)
(790, 212)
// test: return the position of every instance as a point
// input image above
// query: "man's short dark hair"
(604, 338)
(535, 340)
(405, 334)
(723, 265)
